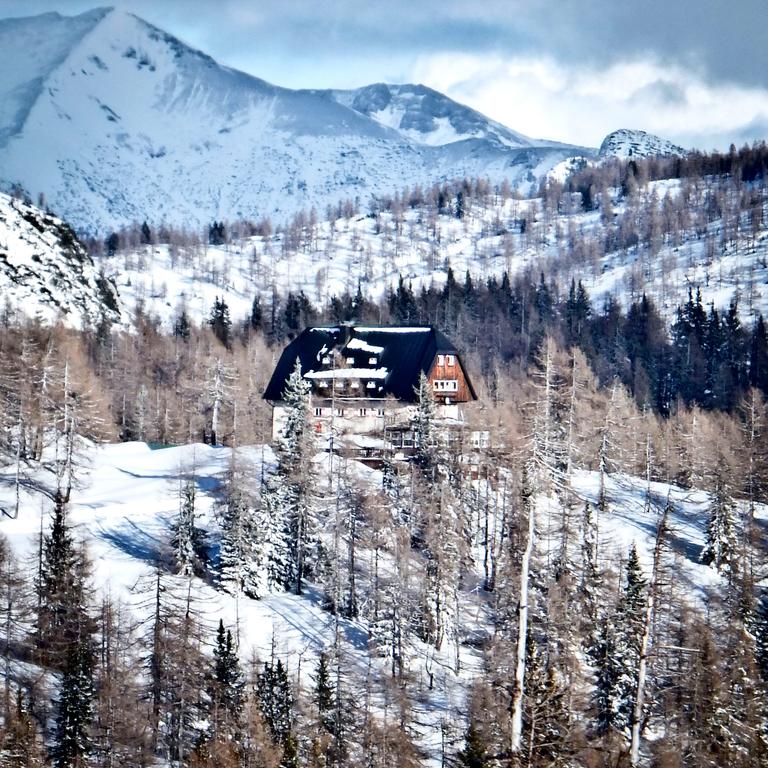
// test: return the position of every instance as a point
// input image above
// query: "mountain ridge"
(46, 272)
(117, 121)
(122, 115)
(633, 143)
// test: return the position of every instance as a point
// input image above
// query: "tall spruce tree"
(72, 740)
(721, 547)
(61, 591)
(227, 676)
(273, 691)
(617, 655)
(289, 494)
(187, 539)
(220, 322)
(629, 625)
(424, 431)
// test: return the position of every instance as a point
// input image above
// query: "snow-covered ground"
(335, 257)
(129, 495)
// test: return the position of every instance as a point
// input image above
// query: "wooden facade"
(448, 380)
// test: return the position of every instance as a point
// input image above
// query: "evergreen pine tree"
(323, 694)
(720, 549)
(590, 581)
(473, 755)
(424, 434)
(289, 494)
(226, 688)
(72, 742)
(62, 617)
(629, 627)
(246, 548)
(606, 669)
(617, 654)
(275, 698)
(257, 315)
(187, 539)
(181, 326)
(220, 322)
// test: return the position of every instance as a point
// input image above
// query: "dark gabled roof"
(407, 351)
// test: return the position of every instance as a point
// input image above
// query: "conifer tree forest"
(476, 604)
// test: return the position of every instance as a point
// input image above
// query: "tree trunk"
(522, 634)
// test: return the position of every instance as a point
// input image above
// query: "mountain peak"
(628, 142)
(116, 120)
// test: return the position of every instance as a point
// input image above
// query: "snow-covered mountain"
(626, 143)
(425, 116)
(45, 271)
(115, 120)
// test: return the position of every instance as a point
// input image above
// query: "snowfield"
(129, 496)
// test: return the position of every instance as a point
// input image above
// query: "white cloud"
(543, 98)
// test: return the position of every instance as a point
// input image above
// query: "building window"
(441, 360)
(371, 361)
(379, 411)
(371, 385)
(326, 360)
(318, 411)
(350, 361)
(450, 360)
(354, 384)
(446, 385)
(338, 411)
(363, 411)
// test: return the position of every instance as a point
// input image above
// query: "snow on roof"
(388, 329)
(364, 441)
(349, 373)
(406, 353)
(364, 346)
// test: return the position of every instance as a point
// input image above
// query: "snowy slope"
(45, 272)
(428, 117)
(119, 121)
(487, 242)
(626, 143)
(125, 505)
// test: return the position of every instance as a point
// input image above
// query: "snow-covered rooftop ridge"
(392, 329)
(363, 346)
(348, 373)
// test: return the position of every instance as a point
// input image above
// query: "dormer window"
(350, 361)
(326, 360)
(371, 361)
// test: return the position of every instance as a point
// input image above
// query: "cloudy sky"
(694, 71)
